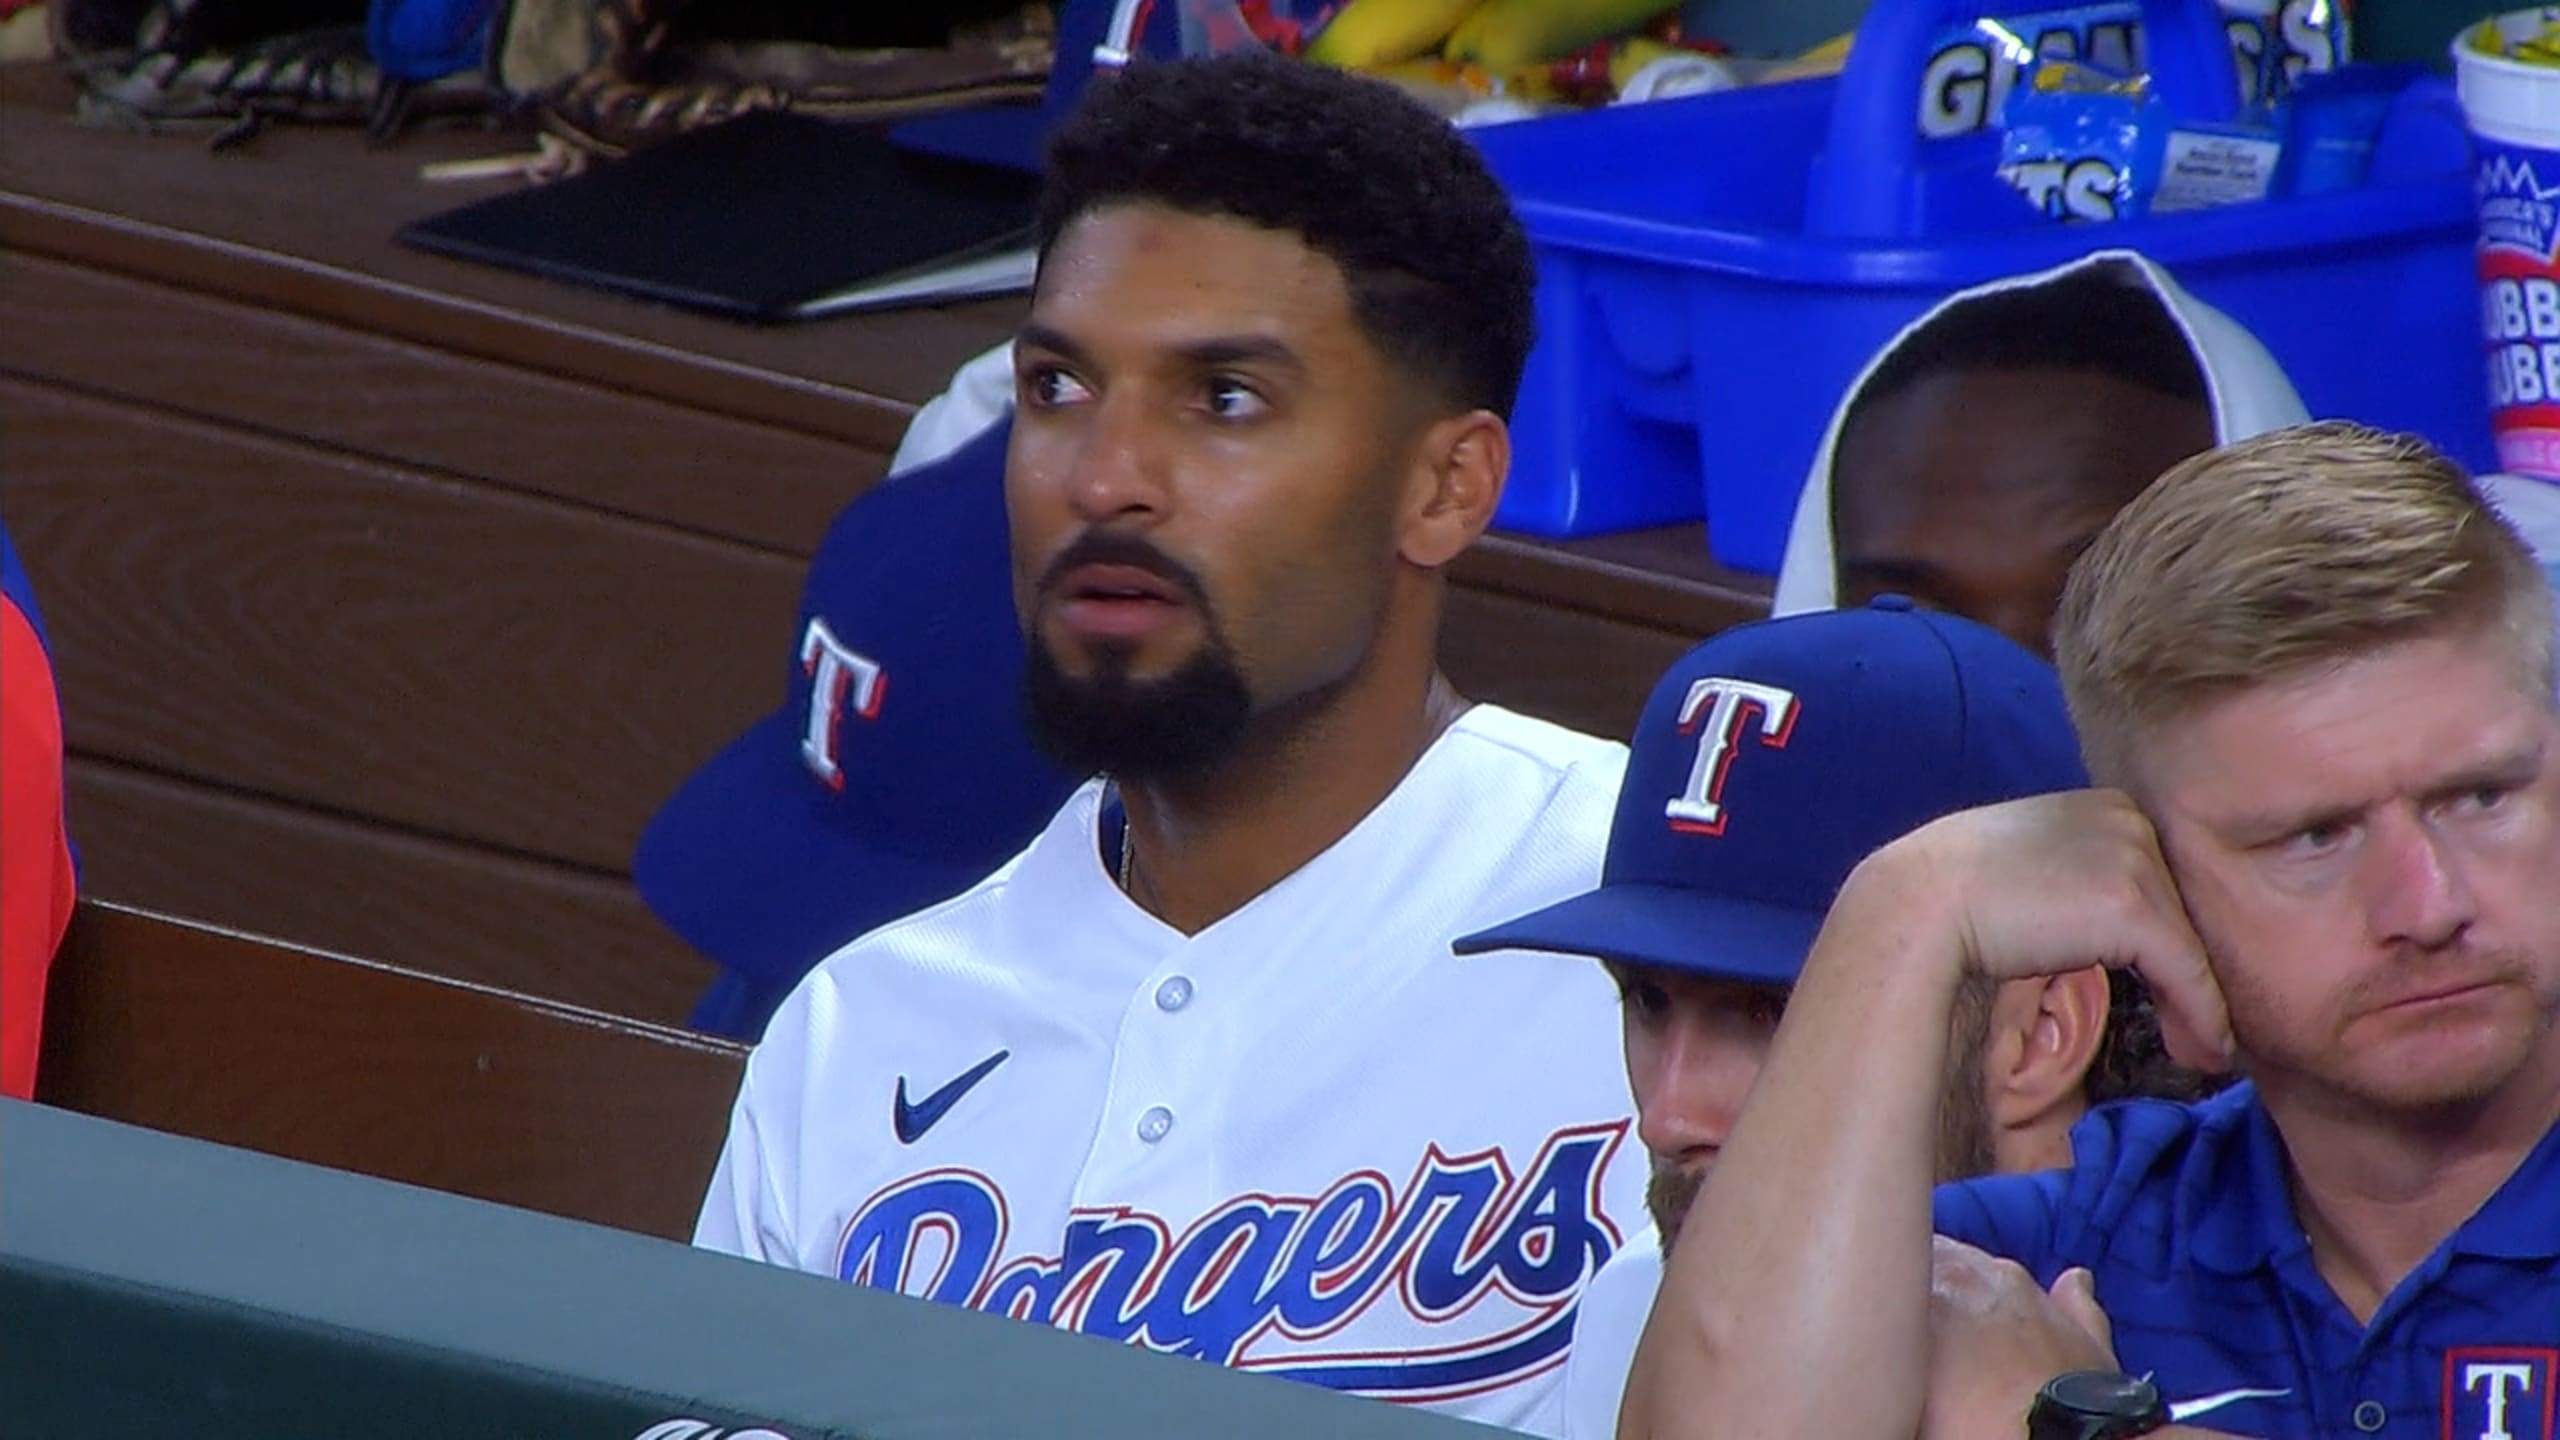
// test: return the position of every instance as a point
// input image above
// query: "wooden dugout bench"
(367, 1067)
(390, 594)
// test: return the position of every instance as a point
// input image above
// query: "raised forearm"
(1812, 1237)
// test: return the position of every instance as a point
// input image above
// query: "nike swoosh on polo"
(913, 1120)
(2186, 1410)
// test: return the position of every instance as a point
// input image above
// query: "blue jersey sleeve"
(2129, 1161)
(2012, 1215)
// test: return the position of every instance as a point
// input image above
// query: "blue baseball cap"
(1775, 757)
(896, 775)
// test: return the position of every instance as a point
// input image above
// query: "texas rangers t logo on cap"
(836, 673)
(1725, 706)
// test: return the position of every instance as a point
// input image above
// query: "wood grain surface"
(358, 887)
(282, 620)
(386, 1072)
(301, 221)
(1569, 666)
(170, 349)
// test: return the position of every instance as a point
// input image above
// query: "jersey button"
(1173, 994)
(2370, 1417)
(1153, 1125)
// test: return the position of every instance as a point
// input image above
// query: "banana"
(1419, 71)
(1461, 44)
(1508, 34)
(1369, 33)
(1823, 59)
(1634, 55)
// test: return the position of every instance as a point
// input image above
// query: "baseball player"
(1197, 1070)
(2321, 668)
(1768, 763)
(1991, 439)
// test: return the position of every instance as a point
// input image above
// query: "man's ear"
(1456, 482)
(2046, 1034)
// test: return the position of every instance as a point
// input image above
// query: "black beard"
(1175, 728)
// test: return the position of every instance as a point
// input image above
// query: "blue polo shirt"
(2185, 1217)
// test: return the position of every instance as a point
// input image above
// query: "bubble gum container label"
(2513, 107)
(2520, 304)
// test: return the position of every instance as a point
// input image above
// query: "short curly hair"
(1436, 262)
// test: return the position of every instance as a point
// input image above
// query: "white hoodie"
(2249, 391)
(2250, 395)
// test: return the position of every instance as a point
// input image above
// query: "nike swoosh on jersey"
(913, 1120)
(2186, 1410)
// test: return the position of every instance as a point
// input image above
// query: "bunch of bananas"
(1499, 36)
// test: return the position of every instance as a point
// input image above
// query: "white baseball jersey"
(1307, 1141)
(1614, 1307)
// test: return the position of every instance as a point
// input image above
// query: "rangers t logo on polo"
(2501, 1392)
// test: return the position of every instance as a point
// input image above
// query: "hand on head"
(2049, 884)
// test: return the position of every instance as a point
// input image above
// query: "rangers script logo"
(1463, 1248)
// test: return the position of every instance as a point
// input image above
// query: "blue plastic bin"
(1715, 271)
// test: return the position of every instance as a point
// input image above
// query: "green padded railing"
(155, 1286)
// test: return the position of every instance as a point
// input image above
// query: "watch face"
(2104, 1392)
(2095, 1405)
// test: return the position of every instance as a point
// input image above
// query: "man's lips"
(1118, 601)
(1118, 582)
(2437, 994)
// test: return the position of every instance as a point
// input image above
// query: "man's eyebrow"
(1218, 350)
(2265, 827)
(1207, 353)
(1035, 336)
(2501, 770)
(2498, 770)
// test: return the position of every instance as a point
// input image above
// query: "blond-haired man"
(2318, 669)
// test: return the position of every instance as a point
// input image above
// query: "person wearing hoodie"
(1989, 442)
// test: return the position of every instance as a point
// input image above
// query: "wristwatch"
(2095, 1405)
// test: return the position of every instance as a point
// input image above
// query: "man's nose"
(1118, 471)
(1698, 1082)
(2418, 892)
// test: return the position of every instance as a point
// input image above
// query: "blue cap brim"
(1665, 927)
(747, 863)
